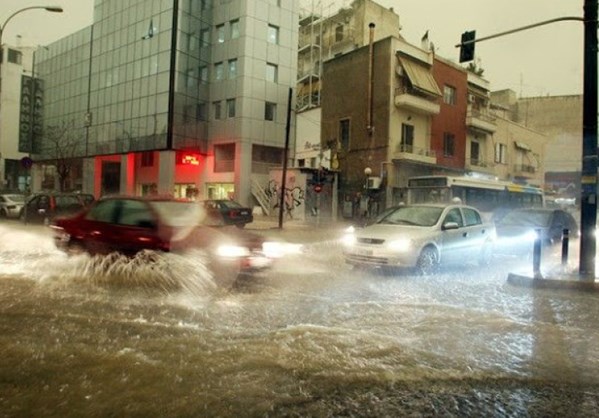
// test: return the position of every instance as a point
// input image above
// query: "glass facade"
(112, 81)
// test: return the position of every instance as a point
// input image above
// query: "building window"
(219, 71)
(205, 37)
(475, 153)
(339, 33)
(217, 110)
(407, 138)
(191, 80)
(449, 95)
(448, 144)
(147, 159)
(201, 112)
(204, 74)
(230, 108)
(224, 158)
(273, 34)
(14, 56)
(234, 26)
(232, 68)
(220, 33)
(501, 153)
(344, 127)
(270, 111)
(301, 162)
(272, 72)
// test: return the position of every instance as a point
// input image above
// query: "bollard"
(536, 255)
(565, 244)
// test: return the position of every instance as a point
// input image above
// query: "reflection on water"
(154, 336)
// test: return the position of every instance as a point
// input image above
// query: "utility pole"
(588, 198)
(588, 182)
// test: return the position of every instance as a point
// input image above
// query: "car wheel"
(240, 226)
(76, 248)
(486, 254)
(3, 214)
(428, 261)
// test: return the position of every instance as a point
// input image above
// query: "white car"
(11, 205)
(421, 237)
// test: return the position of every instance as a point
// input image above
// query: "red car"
(129, 225)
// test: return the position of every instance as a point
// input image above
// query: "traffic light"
(467, 49)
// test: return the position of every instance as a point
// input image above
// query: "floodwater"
(155, 336)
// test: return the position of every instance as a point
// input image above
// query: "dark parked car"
(129, 225)
(43, 207)
(517, 231)
(228, 212)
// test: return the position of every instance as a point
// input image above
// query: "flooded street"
(312, 337)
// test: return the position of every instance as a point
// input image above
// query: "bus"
(492, 197)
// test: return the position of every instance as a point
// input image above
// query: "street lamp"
(52, 9)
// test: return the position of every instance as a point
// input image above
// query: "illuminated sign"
(190, 159)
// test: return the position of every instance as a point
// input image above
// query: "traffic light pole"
(588, 197)
(588, 182)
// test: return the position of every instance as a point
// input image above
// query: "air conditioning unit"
(471, 98)
(374, 182)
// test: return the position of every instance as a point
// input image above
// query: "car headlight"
(274, 249)
(530, 235)
(401, 244)
(232, 251)
(348, 240)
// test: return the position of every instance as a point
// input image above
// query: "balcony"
(406, 152)
(411, 99)
(481, 165)
(481, 120)
(524, 170)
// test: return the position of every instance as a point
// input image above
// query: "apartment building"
(424, 115)
(181, 97)
(322, 38)
(17, 103)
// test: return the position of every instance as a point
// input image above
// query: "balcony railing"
(523, 168)
(410, 149)
(479, 162)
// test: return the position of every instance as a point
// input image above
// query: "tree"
(61, 149)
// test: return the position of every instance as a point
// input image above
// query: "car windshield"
(16, 197)
(526, 218)
(413, 215)
(178, 213)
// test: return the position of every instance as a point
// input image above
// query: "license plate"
(244, 212)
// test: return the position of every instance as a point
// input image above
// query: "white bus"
(492, 197)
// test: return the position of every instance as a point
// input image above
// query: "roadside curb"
(554, 284)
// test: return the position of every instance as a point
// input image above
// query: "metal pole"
(536, 255)
(588, 201)
(565, 245)
(285, 153)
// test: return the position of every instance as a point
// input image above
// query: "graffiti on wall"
(294, 197)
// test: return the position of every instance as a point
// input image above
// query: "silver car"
(11, 205)
(421, 237)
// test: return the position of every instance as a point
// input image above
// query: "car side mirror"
(450, 225)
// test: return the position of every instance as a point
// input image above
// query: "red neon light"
(190, 159)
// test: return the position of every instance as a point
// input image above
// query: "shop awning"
(420, 76)
(522, 145)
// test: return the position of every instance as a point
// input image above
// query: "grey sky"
(540, 61)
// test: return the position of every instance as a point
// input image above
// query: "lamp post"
(52, 9)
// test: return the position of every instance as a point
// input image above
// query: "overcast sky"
(537, 62)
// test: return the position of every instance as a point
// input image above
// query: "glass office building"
(171, 96)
